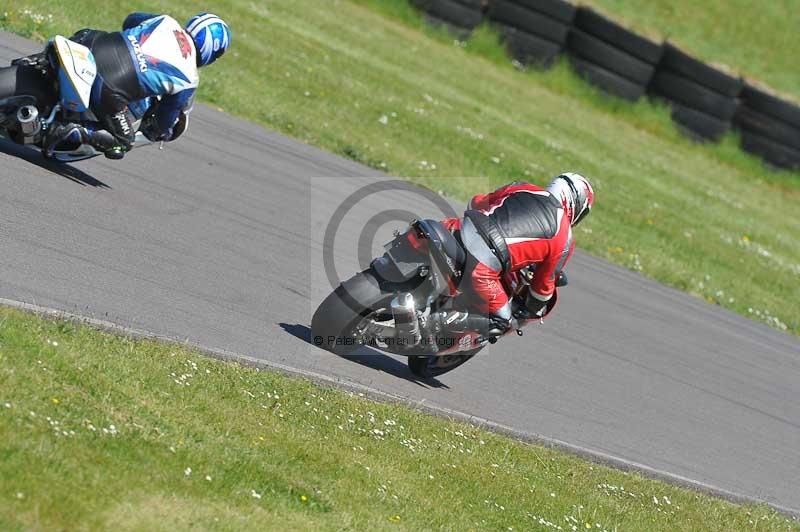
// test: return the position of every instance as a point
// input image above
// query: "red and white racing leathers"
(536, 230)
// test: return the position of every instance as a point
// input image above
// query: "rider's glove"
(150, 129)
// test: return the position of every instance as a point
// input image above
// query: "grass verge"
(101, 432)
(754, 39)
(368, 80)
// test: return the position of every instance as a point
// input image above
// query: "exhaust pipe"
(28, 118)
(405, 318)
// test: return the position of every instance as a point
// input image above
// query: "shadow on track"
(370, 358)
(64, 170)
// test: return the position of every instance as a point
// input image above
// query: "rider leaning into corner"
(517, 226)
(152, 56)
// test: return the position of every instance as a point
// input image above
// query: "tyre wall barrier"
(460, 16)
(533, 31)
(703, 98)
(770, 127)
(611, 56)
(706, 101)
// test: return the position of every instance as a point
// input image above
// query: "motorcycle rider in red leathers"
(517, 226)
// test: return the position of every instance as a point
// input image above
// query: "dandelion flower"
(187, 471)
(55, 400)
(254, 494)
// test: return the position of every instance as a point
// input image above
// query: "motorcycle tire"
(336, 318)
(426, 366)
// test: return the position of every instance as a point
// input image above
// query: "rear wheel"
(335, 325)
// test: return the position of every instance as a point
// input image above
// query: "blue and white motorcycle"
(54, 86)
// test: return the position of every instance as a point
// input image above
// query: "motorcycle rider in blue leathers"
(152, 56)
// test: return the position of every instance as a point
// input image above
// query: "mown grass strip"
(104, 432)
(369, 80)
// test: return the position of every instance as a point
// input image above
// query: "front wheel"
(428, 366)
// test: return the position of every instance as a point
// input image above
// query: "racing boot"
(60, 134)
(75, 134)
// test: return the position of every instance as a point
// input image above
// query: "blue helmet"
(211, 37)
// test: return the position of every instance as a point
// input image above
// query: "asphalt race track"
(218, 240)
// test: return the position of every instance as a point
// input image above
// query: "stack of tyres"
(703, 98)
(610, 56)
(534, 31)
(461, 16)
(770, 127)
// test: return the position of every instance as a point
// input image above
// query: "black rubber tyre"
(529, 49)
(510, 13)
(755, 122)
(426, 367)
(26, 81)
(602, 54)
(620, 37)
(770, 105)
(462, 34)
(557, 9)
(774, 152)
(699, 125)
(691, 94)
(679, 62)
(455, 13)
(608, 81)
(336, 317)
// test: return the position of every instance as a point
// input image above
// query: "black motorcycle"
(386, 306)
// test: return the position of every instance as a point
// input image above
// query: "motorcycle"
(54, 86)
(387, 306)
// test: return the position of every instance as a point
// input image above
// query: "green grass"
(368, 80)
(101, 432)
(754, 39)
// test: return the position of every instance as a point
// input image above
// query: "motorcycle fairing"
(77, 71)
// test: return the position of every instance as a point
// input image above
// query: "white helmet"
(575, 193)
